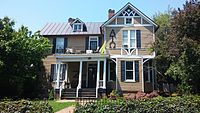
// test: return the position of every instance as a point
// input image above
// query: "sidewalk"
(67, 110)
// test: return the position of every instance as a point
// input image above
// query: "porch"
(84, 75)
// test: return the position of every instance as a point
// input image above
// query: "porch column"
(143, 74)
(116, 88)
(104, 74)
(66, 73)
(98, 73)
(58, 75)
(80, 74)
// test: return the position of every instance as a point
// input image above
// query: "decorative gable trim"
(137, 11)
(77, 19)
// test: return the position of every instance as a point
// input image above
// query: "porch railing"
(77, 50)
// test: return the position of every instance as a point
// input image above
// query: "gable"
(129, 11)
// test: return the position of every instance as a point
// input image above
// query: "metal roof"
(66, 29)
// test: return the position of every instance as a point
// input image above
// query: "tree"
(186, 33)
(180, 48)
(161, 46)
(21, 60)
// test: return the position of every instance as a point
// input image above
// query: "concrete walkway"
(67, 110)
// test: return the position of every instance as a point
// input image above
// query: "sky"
(34, 14)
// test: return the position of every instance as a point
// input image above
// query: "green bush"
(184, 104)
(25, 106)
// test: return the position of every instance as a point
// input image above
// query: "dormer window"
(128, 21)
(77, 27)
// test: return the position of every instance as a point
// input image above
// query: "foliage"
(21, 68)
(178, 49)
(25, 106)
(51, 95)
(190, 104)
(59, 105)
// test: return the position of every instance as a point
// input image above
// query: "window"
(54, 72)
(129, 73)
(128, 21)
(59, 45)
(129, 39)
(77, 27)
(93, 43)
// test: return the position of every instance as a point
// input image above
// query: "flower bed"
(25, 106)
(183, 104)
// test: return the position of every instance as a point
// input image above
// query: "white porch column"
(58, 75)
(98, 73)
(79, 78)
(66, 73)
(142, 75)
(80, 74)
(116, 74)
(104, 74)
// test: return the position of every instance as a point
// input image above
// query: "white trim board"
(135, 9)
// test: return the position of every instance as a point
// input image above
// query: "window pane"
(128, 20)
(93, 45)
(132, 34)
(129, 75)
(129, 65)
(132, 38)
(132, 43)
(125, 38)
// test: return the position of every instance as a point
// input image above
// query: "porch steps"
(68, 93)
(87, 93)
(83, 93)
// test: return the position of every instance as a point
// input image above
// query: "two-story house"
(89, 58)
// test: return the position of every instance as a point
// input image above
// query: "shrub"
(184, 104)
(25, 106)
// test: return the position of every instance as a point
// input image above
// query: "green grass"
(59, 105)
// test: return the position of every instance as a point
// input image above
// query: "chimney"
(70, 20)
(110, 13)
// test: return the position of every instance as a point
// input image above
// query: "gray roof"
(66, 29)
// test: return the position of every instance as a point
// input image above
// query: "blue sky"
(36, 13)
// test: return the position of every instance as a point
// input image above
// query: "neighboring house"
(89, 58)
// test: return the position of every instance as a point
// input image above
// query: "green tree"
(179, 49)
(185, 34)
(161, 46)
(21, 70)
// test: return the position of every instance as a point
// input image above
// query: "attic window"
(77, 27)
(128, 20)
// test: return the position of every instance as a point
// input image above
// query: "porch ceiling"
(81, 57)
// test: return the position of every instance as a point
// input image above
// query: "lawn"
(59, 105)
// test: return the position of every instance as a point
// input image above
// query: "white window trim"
(57, 42)
(78, 24)
(90, 40)
(61, 71)
(129, 38)
(128, 18)
(130, 80)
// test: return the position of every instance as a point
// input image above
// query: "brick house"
(92, 57)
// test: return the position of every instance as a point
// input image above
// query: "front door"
(92, 75)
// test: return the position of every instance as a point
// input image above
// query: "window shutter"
(65, 44)
(86, 43)
(137, 71)
(100, 42)
(123, 71)
(52, 72)
(138, 38)
(54, 45)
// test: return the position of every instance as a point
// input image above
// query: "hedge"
(184, 104)
(25, 106)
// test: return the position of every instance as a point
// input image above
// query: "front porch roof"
(79, 57)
